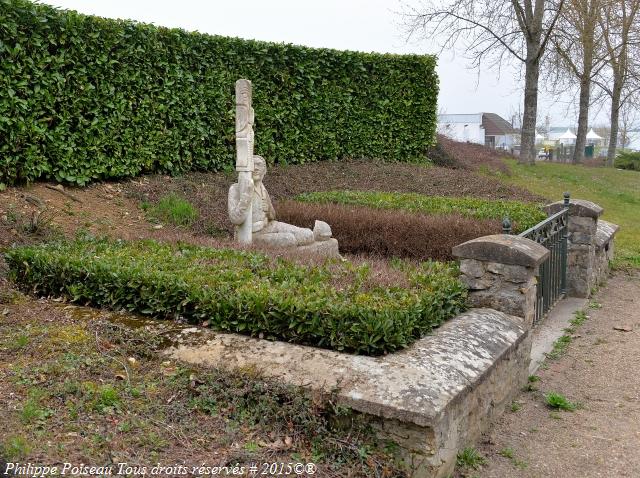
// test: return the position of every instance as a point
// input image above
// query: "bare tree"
(577, 54)
(628, 115)
(495, 31)
(620, 23)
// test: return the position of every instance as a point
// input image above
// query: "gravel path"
(600, 371)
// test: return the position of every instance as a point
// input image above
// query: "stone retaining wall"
(501, 271)
(433, 398)
(604, 251)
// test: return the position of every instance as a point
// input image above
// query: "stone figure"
(249, 204)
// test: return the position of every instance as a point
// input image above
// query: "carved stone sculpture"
(249, 204)
(244, 156)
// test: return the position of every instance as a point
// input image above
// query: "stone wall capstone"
(501, 273)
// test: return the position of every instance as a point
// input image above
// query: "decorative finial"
(506, 226)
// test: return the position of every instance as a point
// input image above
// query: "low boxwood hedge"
(335, 305)
(522, 215)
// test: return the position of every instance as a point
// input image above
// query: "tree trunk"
(529, 117)
(615, 119)
(583, 117)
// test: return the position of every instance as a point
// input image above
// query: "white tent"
(593, 137)
(567, 138)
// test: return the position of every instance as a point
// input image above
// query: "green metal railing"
(552, 233)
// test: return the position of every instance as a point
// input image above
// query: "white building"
(633, 140)
(488, 129)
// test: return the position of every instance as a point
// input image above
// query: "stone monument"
(249, 204)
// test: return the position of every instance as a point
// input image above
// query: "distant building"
(633, 140)
(488, 129)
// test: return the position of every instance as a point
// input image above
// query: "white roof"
(539, 136)
(568, 135)
(593, 135)
(460, 118)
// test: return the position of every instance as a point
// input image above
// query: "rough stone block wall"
(505, 287)
(604, 249)
(467, 419)
(431, 451)
(581, 273)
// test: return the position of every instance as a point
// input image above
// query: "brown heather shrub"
(454, 154)
(362, 230)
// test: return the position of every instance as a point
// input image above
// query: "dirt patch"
(80, 388)
(38, 211)
(598, 372)
(470, 156)
(100, 209)
(208, 191)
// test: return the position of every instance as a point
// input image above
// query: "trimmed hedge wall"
(338, 305)
(88, 98)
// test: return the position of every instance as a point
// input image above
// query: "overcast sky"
(362, 25)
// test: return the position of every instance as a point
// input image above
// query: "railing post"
(563, 246)
(506, 226)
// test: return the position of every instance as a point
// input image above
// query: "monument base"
(328, 248)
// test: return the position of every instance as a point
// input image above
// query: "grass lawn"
(617, 191)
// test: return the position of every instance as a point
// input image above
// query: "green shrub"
(521, 214)
(470, 458)
(628, 160)
(559, 402)
(335, 305)
(88, 98)
(173, 209)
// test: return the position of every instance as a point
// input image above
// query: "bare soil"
(599, 372)
(114, 209)
(100, 209)
(208, 191)
(83, 385)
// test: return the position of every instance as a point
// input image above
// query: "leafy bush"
(628, 160)
(364, 230)
(89, 98)
(335, 305)
(470, 458)
(559, 402)
(174, 209)
(522, 215)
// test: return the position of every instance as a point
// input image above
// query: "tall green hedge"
(87, 98)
